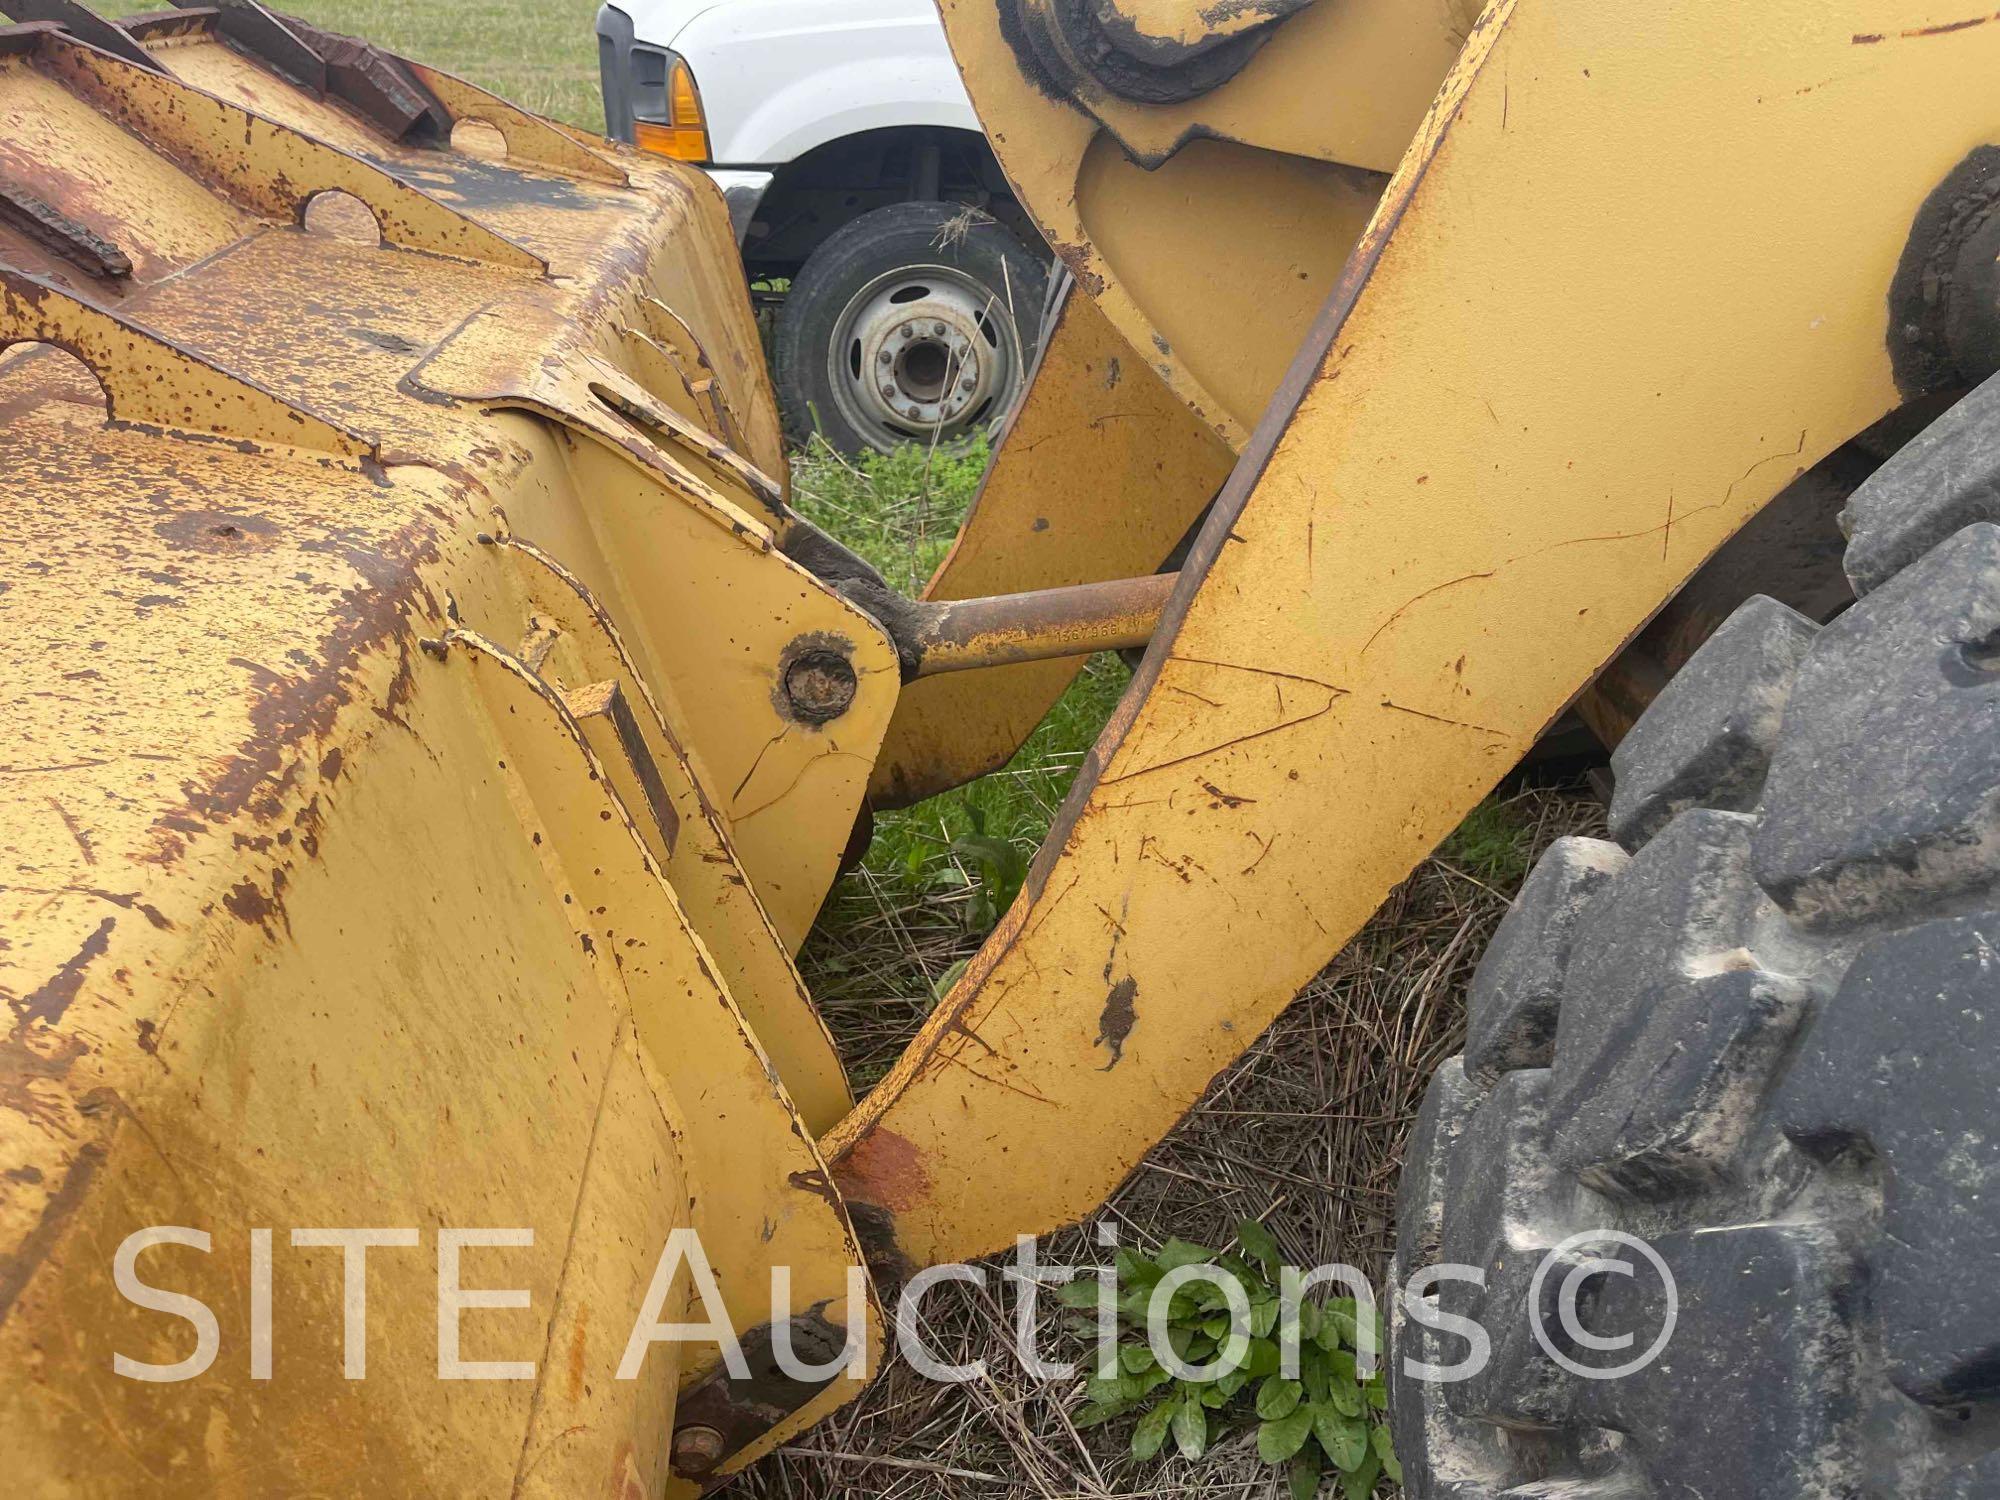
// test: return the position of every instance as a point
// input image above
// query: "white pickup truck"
(856, 173)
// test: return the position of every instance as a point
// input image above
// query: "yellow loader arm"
(1567, 359)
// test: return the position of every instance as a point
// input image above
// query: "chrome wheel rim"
(923, 354)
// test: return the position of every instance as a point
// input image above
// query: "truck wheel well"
(837, 182)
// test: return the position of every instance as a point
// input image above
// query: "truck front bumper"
(742, 191)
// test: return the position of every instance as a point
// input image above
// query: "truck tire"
(1760, 1032)
(913, 323)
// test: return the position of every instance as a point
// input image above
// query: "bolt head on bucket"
(816, 680)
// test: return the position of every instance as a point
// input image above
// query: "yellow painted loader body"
(429, 733)
(403, 801)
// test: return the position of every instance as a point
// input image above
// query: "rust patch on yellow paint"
(1119, 1017)
(883, 1169)
(50, 1000)
(18, 1265)
(577, 1342)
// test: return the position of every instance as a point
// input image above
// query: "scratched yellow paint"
(583, 646)
(1630, 281)
(319, 906)
(163, 223)
(272, 168)
(146, 380)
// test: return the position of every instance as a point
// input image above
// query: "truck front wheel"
(913, 323)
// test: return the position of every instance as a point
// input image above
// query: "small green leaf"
(1134, 1269)
(1263, 1317)
(1190, 1428)
(1177, 1253)
(1378, 1395)
(1312, 1370)
(1215, 1325)
(1258, 1242)
(1001, 866)
(1278, 1441)
(1133, 1385)
(995, 854)
(1345, 1319)
(1359, 1484)
(1097, 1413)
(1309, 1321)
(941, 986)
(1079, 1293)
(1243, 1271)
(1134, 1358)
(1345, 1441)
(1213, 1396)
(1385, 1449)
(1232, 1382)
(1262, 1358)
(1204, 1296)
(1337, 1324)
(1303, 1479)
(1278, 1397)
(1341, 1391)
(1098, 1388)
(1151, 1434)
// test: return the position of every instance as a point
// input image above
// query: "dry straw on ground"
(1306, 1133)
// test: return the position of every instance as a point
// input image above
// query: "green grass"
(899, 510)
(1494, 844)
(541, 55)
(949, 866)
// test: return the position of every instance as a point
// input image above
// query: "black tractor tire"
(1759, 1030)
(931, 301)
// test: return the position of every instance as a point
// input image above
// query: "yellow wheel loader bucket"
(430, 733)
(407, 820)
